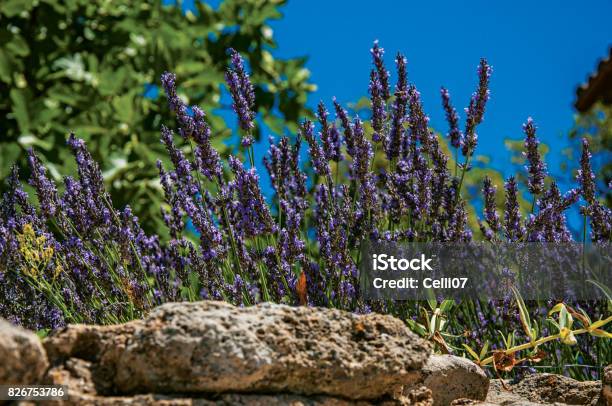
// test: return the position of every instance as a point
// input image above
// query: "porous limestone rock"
(22, 357)
(605, 398)
(450, 377)
(545, 389)
(214, 347)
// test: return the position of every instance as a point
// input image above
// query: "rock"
(23, 359)
(545, 389)
(450, 377)
(233, 399)
(420, 397)
(605, 398)
(470, 402)
(80, 352)
(214, 347)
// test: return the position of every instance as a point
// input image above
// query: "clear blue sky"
(540, 52)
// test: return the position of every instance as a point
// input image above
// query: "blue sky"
(540, 52)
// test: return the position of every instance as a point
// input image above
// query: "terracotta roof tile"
(598, 86)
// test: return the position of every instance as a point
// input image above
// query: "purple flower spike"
(381, 73)
(585, 176)
(319, 162)
(476, 109)
(251, 212)
(330, 137)
(45, 188)
(394, 140)
(490, 208)
(513, 227)
(242, 92)
(536, 168)
(349, 136)
(379, 113)
(454, 134)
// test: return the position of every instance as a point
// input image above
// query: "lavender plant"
(74, 257)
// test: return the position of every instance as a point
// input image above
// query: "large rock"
(22, 357)
(418, 397)
(213, 347)
(545, 389)
(605, 399)
(450, 377)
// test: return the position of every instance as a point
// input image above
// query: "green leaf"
(554, 323)
(556, 309)
(471, 352)
(565, 318)
(484, 350)
(29, 140)
(510, 340)
(11, 8)
(124, 108)
(18, 46)
(446, 306)
(42, 333)
(523, 314)
(20, 109)
(431, 299)
(5, 67)
(600, 323)
(600, 333)
(503, 337)
(416, 327)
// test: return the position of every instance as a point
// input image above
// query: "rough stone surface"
(22, 357)
(420, 399)
(211, 353)
(470, 402)
(545, 389)
(605, 399)
(213, 347)
(450, 377)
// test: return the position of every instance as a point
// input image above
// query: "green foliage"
(596, 125)
(83, 65)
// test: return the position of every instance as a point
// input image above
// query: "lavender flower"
(419, 123)
(585, 175)
(490, 208)
(45, 189)
(536, 168)
(513, 229)
(242, 92)
(361, 169)
(349, 137)
(379, 113)
(319, 162)
(181, 164)
(476, 109)
(601, 222)
(381, 72)
(194, 127)
(550, 222)
(454, 134)
(394, 138)
(252, 214)
(330, 136)
(207, 160)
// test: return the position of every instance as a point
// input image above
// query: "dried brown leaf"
(302, 290)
